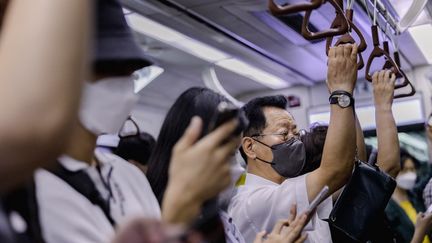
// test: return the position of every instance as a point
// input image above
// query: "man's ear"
(248, 147)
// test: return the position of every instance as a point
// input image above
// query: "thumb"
(191, 135)
(259, 237)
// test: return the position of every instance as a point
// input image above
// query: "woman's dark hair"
(136, 147)
(314, 145)
(404, 156)
(195, 101)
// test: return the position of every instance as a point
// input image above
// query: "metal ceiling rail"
(389, 19)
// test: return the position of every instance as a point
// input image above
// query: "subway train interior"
(243, 50)
(216, 121)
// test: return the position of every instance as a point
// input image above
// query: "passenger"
(89, 193)
(404, 206)
(200, 102)
(208, 176)
(136, 149)
(275, 157)
(40, 81)
(313, 141)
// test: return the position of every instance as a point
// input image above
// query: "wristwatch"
(342, 98)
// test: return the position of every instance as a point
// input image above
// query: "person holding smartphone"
(276, 158)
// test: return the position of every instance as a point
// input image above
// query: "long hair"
(195, 101)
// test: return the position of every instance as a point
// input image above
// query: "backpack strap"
(23, 202)
(82, 183)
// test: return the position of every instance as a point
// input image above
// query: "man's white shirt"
(67, 216)
(260, 203)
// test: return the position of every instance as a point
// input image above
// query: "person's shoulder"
(122, 166)
(116, 161)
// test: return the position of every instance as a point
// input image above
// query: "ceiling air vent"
(288, 26)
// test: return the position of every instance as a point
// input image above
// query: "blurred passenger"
(276, 158)
(405, 206)
(88, 193)
(40, 85)
(40, 82)
(313, 141)
(200, 102)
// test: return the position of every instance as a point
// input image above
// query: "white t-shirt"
(260, 203)
(67, 216)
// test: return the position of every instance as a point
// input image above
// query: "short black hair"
(137, 147)
(254, 112)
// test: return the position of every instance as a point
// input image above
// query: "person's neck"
(82, 144)
(268, 174)
(400, 195)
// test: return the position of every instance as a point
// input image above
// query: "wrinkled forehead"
(278, 118)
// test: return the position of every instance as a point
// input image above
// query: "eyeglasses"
(285, 135)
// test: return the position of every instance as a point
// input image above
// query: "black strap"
(82, 183)
(23, 201)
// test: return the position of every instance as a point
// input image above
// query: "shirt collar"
(72, 164)
(254, 180)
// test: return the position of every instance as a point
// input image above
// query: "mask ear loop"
(135, 125)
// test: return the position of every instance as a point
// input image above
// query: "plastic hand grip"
(276, 9)
(347, 37)
(377, 52)
(339, 30)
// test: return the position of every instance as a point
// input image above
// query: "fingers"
(279, 225)
(354, 51)
(392, 78)
(297, 227)
(427, 216)
(332, 52)
(301, 239)
(191, 134)
(259, 237)
(225, 151)
(293, 213)
(339, 50)
(216, 137)
(381, 75)
(387, 75)
(375, 78)
(347, 49)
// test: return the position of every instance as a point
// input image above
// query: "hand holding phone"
(317, 200)
(225, 112)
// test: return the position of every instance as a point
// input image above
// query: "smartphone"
(318, 199)
(226, 112)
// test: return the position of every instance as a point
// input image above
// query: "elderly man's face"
(280, 127)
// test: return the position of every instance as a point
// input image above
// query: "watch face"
(344, 100)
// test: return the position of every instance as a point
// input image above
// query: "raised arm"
(361, 146)
(388, 142)
(43, 49)
(339, 148)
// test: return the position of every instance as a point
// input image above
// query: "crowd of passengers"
(69, 172)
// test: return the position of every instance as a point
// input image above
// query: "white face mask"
(406, 180)
(106, 104)
(236, 171)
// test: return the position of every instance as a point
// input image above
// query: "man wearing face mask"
(89, 193)
(275, 156)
